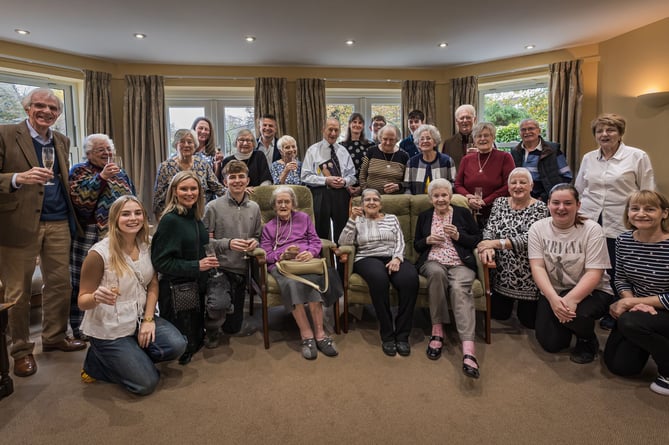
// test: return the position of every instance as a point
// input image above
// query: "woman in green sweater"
(177, 252)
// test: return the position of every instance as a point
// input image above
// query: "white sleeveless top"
(107, 322)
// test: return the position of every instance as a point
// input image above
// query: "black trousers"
(636, 336)
(554, 336)
(330, 204)
(502, 306)
(405, 280)
(233, 322)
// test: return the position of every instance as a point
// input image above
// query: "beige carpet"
(241, 393)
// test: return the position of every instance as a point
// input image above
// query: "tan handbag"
(293, 269)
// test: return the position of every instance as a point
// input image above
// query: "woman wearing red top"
(489, 169)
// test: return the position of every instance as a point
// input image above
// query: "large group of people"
(563, 255)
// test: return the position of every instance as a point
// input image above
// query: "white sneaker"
(660, 386)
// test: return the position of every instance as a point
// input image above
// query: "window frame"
(362, 100)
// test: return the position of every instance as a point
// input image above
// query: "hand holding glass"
(210, 251)
(478, 192)
(48, 161)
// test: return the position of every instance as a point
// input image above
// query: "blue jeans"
(122, 361)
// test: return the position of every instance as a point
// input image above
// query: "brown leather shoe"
(25, 366)
(68, 344)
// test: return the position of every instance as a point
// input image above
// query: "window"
(507, 103)
(14, 87)
(229, 110)
(341, 102)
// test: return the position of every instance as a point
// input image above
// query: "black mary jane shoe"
(434, 353)
(470, 371)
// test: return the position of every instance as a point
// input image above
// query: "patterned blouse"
(512, 277)
(170, 167)
(445, 252)
(293, 177)
(357, 150)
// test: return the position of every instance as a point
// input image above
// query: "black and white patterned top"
(513, 277)
(357, 150)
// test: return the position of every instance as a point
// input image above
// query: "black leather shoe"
(389, 348)
(25, 366)
(68, 344)
(185, 358)
(403, 348)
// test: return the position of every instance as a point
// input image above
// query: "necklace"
(481, 167)
(277, 238)
(385, 156)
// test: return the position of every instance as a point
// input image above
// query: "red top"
(493, 178)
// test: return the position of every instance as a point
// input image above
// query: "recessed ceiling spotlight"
(139, 36)
(443, 45)
(350, 42)
(23, 32)
(250, 39)
(529, 46)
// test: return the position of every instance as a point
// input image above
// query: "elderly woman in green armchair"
(445, 238)
(379, 259)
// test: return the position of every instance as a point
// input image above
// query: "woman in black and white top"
(379, 259)
(642, 280)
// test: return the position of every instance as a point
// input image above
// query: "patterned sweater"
(92, 196)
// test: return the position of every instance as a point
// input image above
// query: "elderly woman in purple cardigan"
(292, 236)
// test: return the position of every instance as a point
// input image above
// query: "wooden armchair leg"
(335, 308)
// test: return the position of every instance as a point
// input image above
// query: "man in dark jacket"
(543, 159)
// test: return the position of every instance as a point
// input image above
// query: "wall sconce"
(655, 100)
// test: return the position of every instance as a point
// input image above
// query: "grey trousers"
(456, 282)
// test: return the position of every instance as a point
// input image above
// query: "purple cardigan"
(302, 234)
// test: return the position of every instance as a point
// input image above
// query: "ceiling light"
(529, 46)
(250, 39)
(443, 45)
(139, 36)
(350, 42)
(23, 32)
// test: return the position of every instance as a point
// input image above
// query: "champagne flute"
(118, 161)
(471, 148)
(210, 251)
(48, 160)
(478, 192)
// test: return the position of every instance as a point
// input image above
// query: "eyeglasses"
(525, 130)
(245, 141)
(103, 150)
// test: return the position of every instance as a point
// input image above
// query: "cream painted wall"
(633, 64)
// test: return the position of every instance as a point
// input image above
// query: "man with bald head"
(456, 145)
(543, 159)
(328, 170)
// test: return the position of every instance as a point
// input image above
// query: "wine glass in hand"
(210, 251)
(48, 160)
(478, 192)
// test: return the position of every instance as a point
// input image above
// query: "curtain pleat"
(564, 108)
(97, 97)
(271, 97)
(145, 132)
(311, 110)
(464, 90)
(418, 95)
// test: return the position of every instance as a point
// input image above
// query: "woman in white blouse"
(607, 177)
(379, 259)
(119, 291)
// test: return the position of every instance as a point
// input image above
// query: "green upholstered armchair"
(407, 208)
(261, 282)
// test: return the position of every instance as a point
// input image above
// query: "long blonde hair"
(172, 203)
(117, 261)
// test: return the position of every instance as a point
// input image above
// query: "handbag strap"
(299, 279)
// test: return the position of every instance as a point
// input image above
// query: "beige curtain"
(271, 97)
(311, 110)
(464, 90)
(145, 132)
(97, 93)
(418, 95)
(564, 108)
